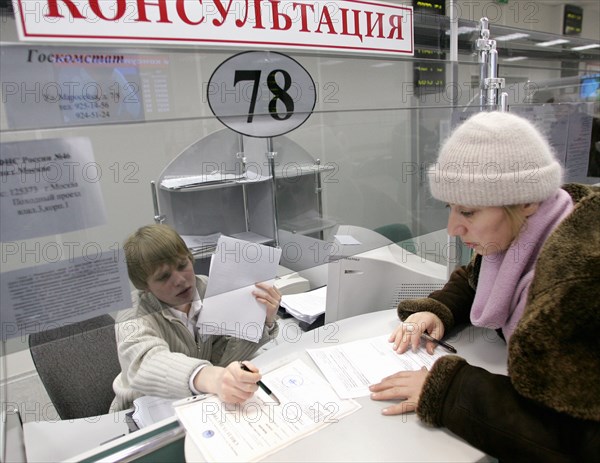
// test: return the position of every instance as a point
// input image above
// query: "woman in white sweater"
(161, 351)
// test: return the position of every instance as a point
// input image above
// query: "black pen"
(439, 342)
(263, 386)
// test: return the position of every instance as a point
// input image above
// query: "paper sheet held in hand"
(229, 308)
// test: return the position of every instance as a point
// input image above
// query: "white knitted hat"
(495, 159)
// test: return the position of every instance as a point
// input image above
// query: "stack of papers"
(306, 307)
(201, 243)
(259, 427)
(190, 181)
(214, 178)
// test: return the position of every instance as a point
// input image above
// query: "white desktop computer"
(378, 280)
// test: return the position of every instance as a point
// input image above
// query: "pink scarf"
(505, 277)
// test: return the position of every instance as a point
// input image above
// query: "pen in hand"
(262, 385)
(439, 342)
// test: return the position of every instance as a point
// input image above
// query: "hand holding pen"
(418, 326)
(231, 383)
(439, 342)
(262, 385)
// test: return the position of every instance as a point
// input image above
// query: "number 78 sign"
(261, 93)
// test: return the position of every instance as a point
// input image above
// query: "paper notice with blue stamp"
(258, 427)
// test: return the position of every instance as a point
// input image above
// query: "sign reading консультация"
(338, 25)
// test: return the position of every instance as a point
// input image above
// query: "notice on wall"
(53, 294)
(48, 187)
(568, 130)
(72, 86)
(553, 125)
(578, 146)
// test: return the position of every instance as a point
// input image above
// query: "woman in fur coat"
(534, 277)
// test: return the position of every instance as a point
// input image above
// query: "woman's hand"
(405, 386)
(408, 334)
(271, 298)
(232, 384)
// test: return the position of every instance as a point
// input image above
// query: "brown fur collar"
(554, 354)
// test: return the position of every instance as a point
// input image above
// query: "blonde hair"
(516, 219)
(150, 247)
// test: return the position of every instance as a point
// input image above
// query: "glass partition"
(377, 125)
(373, 128)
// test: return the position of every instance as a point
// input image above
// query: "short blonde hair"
(150, 247)
(515, 218)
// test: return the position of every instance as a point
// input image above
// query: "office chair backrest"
(398, 233)
(77, 364)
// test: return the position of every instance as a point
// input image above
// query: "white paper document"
(45, 189)
(188, 181)
(257, 428)
(199, 243)
(352, 367)
(348, 240)
(150, 409)
(306, 306)
(216, 177)
(229, 308)
(61, 440)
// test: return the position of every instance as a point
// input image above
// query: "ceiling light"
(515, 36)
(462, 30)
(515, 58)
(552, 43)
(586, 47)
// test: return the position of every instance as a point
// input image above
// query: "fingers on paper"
(395, 381)
(406, 335)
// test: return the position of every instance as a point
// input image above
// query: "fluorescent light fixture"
(551, 43)
(382, 65)
(515, 58)
(515, 36)
(586, 47)
(464, 30)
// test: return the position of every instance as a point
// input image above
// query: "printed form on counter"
(259, 427)
(352, 367)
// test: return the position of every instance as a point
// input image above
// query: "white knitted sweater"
(158, 354)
